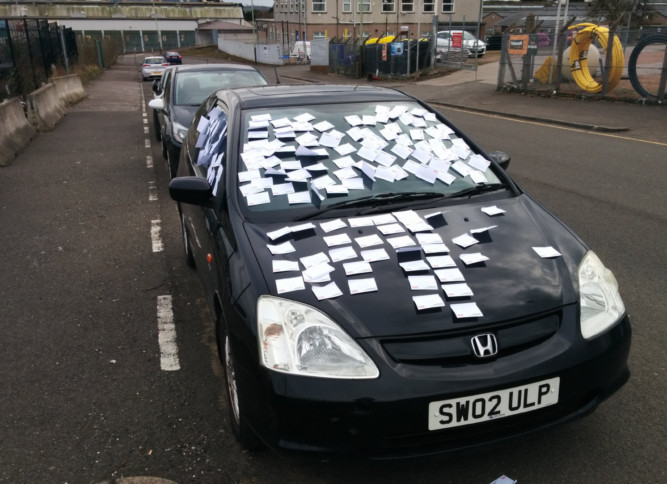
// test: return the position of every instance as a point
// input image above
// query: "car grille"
(454, 349)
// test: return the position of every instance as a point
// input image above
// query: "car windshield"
(194, 86)
(304, 162)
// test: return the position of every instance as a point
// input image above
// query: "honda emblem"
(484, 345)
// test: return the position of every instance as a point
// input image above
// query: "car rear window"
(193, 87)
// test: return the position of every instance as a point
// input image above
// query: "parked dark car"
(380, 286)
(181, 91)
(173, 57)
(494, 42)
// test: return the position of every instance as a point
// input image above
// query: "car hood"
(515, 283)
(184, 115)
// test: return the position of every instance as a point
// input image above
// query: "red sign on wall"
(457, 40)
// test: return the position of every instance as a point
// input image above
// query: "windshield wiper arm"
(476, 190)
(373, 200)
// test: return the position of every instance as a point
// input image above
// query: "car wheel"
(156, 126)
(187, 248)
(245, 436)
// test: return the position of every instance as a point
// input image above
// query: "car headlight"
(600, 303)
(179, 132)
(298, 339)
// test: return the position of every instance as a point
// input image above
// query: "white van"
(300, 51)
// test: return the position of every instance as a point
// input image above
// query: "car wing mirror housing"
(194, 190)
(502, 158)
(157, 104)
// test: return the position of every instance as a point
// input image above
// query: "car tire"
(156, 126)
(187, 248)
(235, 396)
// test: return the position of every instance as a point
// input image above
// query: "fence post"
(608, 61)
(61, 33)
(32, 62)
(100, 54)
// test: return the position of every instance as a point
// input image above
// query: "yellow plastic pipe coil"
(579, 57)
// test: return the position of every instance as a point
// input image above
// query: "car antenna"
(275, 70)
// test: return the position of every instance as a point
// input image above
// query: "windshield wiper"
(476, 190)
(374, 200)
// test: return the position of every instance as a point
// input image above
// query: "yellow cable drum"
(579, 57)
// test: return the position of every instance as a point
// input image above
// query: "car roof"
(294, 95)
(213, 67)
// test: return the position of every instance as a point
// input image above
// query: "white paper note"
(290, 284)
(466, 310)
(428, 301)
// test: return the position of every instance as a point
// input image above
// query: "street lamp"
(157, 27)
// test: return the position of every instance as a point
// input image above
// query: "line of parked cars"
(380, 286)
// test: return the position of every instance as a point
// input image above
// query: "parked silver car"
(446, 40)
(153, 67)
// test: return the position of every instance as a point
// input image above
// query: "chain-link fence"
(589, 61)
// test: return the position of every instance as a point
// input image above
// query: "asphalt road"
(92, 247)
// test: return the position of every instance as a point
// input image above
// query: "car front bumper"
(388, 417)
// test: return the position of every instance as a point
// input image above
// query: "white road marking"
(152, 191)
(145, 129)
(156, 239)
(147, 143)
(149, 161)
(167, 335)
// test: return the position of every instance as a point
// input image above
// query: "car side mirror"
(157, 104)
(194, 190)
(500, 157)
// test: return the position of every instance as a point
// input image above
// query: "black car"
(381, 287)
(173, 57)
(180, 92)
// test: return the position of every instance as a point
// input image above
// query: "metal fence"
(635, 68)
(30, 49)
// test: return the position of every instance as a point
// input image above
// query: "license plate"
(157, 73)
(493, 405)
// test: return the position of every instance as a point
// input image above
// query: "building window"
(388, 6)
(428, 6)
(407, 6)
(319, 6)
(447, 6)
(364, 6)
(347, 5)
(319, 35)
